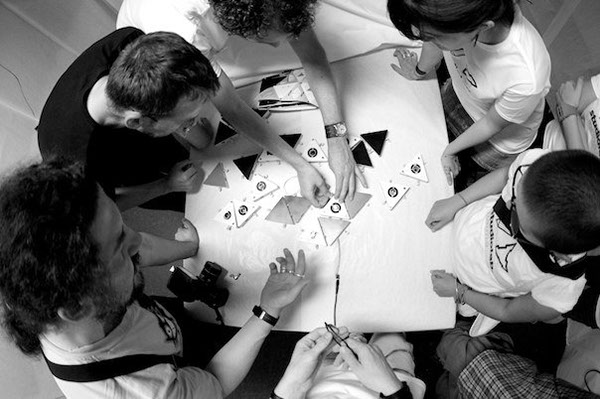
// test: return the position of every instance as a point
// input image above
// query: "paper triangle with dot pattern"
(226, 215)
(415, 169)
(312, 233)
(313, 152)
(262, 187)
(392, 192)
(336, 209)
(292, 139)
(243, 212)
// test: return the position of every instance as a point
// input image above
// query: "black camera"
(201, 288)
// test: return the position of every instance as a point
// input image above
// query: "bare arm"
(156, 251)
(408, 61)
(247, 122)
(314, 60)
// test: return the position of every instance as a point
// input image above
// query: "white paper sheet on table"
(384, 256)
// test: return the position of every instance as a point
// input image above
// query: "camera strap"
(111, 368)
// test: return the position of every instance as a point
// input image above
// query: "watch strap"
(261, 314)
(338, 129)
(402, 393)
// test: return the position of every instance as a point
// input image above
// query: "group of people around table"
(116, 132)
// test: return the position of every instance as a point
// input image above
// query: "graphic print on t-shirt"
(166, 322)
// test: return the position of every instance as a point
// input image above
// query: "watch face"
(340, 128)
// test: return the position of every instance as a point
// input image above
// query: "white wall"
(40, 38)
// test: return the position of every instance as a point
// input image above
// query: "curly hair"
(253, 18)
(48, 259)
(157, 70)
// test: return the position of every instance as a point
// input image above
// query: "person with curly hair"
(209, 23)
(71, 289)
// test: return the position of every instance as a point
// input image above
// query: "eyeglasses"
(338, 338)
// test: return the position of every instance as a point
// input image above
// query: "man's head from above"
(556, 204)
(65, 254)
(265, 21)
(449, 24)
(161, 83)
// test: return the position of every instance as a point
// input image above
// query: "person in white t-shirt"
(499, 69)
(209, 23)
(382, 368)
(578, 108)
(521, 256)
(72, 291)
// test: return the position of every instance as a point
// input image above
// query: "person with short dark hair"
(208, 24)
(72, 290)
(522, 256)
(499, 75)
(128, 106)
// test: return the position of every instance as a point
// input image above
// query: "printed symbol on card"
(227, 215)
(243, 210)
(261, 185)
(335, 207)
(392, 192)
(312, 152)
(415, 168)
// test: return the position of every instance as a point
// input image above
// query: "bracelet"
(399, 394)
(462, 198)
(561, 112)
(274, 396)
(418, 71)
(261, 314)
(460, 291)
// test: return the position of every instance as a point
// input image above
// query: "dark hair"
(48, 260)
(155, 71)
(253, 18)
(448, 16)
(562, 189)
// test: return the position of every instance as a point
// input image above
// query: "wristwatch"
(336, 130)
(261, 314)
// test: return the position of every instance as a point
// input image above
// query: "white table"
(383, 257)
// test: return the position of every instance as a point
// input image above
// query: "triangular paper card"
(226, 215)
(292, 139)
(376, 140)
(313, 152)
(243, 212)
(332, 228)
(280, 213)
(260, 112)
(357, 203)
(246, 165)
(224, 133)
(336, 209)
(392, 192)
(361, 156)
(311, 232)
(297, 206)
(262, 187)
(217, 177)
(415, 169)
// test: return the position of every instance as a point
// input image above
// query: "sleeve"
(558, 292)
(517, 103)
(596, 84)
(525, 158)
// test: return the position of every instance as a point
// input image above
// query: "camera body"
(201, 288)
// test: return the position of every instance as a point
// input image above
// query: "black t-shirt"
(115, 156)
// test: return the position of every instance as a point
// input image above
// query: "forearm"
(129, 197)
(248, 123)
(520, 309)
(430, 57)
(231, 364)
(479, 132)
(571, 128)
(489, 184)
(156, 251)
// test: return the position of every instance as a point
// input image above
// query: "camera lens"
(210, 273)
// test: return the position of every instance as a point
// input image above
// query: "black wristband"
(418, 71)
(402, 393)
(261, 314)
(274, 396)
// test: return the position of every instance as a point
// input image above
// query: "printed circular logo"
(393, 192)
(312, 152)
(227, 215)
(261, 185)
(415, 168)
(335, 207)
(243, 210)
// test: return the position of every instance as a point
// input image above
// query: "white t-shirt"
(488, 259)
(589, 118)
(513, 76)
(142, 331)
(191, 19)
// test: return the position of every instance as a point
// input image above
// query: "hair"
(157, 70)
(562, 190)
(448, 16)
(253, 18)
(48, 259)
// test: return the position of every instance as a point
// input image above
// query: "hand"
(407, 63)
(182, 177)
(442, 212)
(371, 367)
(451, 167)
(187, 233)
(313, 186)
(305, 362)
(444, 284)
(283, 287)
(341, 162)
(567, 98)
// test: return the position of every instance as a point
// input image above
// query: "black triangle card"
(224, 132)
(246, 165)
(361, 156)
(376, 140)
